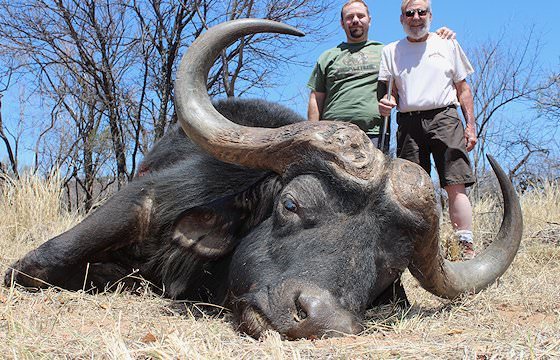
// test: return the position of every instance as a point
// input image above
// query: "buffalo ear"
(214, 229)
(211, 230)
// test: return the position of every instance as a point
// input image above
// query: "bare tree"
(168, 27)
(161, 35)
(64, 43)
(12, 155)
(508, 77)
(548, 99)
(252, 62)
(107, 68)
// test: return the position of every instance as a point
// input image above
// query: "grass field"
(516, 318)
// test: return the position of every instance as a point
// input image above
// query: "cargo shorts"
(440, 133)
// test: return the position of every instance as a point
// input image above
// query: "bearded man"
(430, 82)
(344, 80)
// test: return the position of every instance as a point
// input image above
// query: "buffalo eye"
(290, 205)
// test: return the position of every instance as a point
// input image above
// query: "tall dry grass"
(31, 211)
(517, 318)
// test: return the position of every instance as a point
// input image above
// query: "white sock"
(464, 236)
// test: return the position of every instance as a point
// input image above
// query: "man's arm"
(315, 106)
(465, 97)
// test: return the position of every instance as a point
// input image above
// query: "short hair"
(404, 4)
(350, 2)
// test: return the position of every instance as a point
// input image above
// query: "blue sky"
(475, 22)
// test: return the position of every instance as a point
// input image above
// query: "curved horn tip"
(491, 159)
(287, 29)
(447, 279)
(498, 170)
(272, 25)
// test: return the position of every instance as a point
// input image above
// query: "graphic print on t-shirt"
(354, 64)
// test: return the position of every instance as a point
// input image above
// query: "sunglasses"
(421, 12)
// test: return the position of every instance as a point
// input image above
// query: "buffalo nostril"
(300, 313)
(318, 313)
(312, 306)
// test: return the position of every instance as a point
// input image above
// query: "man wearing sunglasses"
(344, 81)
(430, 81)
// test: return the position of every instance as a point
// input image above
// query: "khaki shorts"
(439, 133)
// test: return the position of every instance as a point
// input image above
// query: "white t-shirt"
(425, 72)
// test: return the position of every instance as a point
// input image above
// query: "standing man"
(344, 81)
(429, 75)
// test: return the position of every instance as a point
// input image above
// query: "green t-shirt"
(347, 74)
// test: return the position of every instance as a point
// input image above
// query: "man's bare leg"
(460, 213)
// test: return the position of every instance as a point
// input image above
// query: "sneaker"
(466, 244)
(467, 250)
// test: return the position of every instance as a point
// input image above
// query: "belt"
(420, 112)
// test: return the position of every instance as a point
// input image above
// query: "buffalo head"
(346, 222)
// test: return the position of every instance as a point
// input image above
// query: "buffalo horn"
(448, 279)
(342, 145)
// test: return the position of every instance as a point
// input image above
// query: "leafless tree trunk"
(99, 59)
(12, 156)
(162, 26)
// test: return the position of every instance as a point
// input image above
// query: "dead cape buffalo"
(297, 226)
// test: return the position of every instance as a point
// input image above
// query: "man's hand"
(470, 137)
(445, 33)
(386, 105)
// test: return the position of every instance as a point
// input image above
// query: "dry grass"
(30, 213)
(517, 318)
